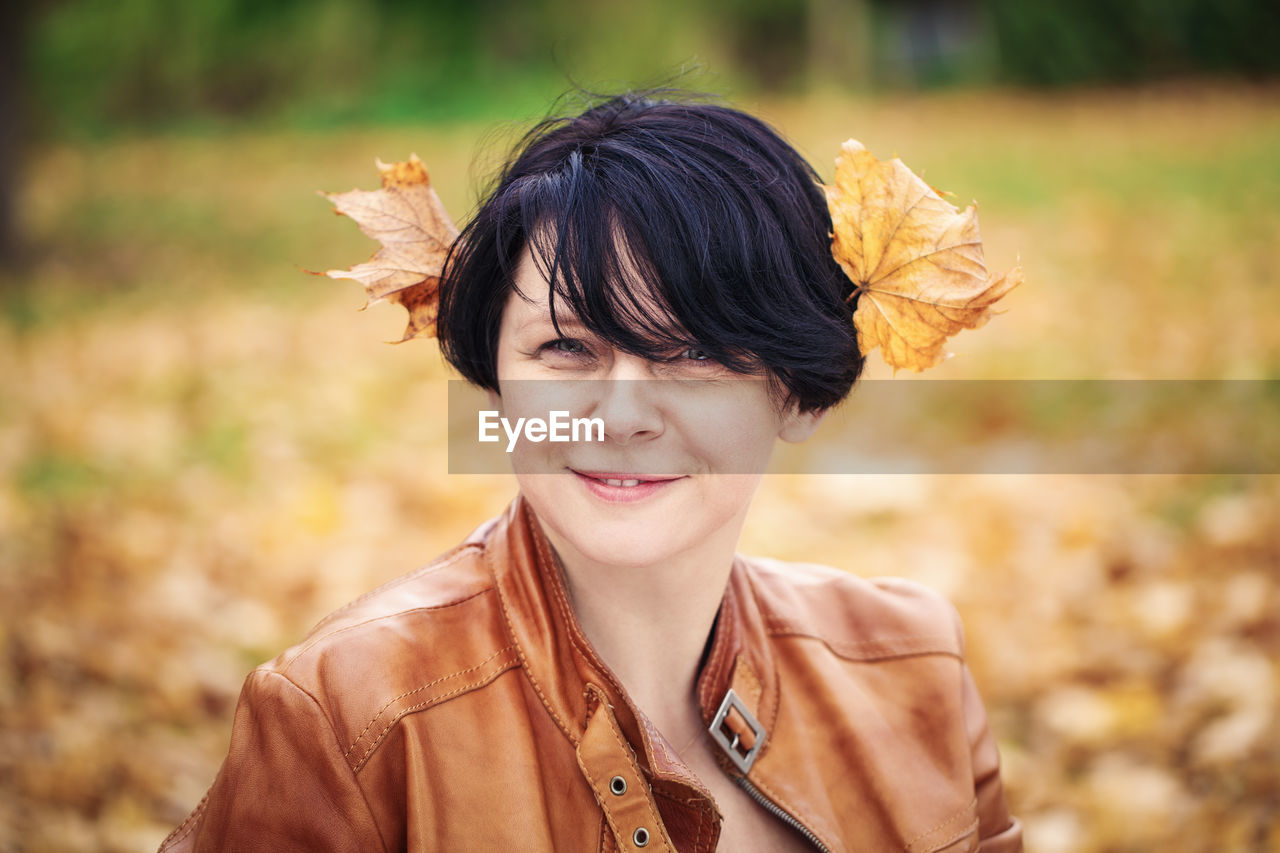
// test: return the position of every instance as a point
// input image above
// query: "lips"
(623, 486)
(624, 479)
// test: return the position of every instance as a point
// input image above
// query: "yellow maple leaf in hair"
(915, 259)
(408, 219)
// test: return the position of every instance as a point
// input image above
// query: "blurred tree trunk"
(12, 119)
(839, 44)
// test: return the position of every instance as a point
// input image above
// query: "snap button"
(640, 836)
(618, 785)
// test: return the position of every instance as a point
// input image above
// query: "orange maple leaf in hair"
(415, 231)
(916, 260)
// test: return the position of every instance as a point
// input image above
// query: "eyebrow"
(567, 322)
(564, 320)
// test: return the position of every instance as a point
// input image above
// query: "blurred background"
(203, 450)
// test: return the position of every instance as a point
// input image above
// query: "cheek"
(734, 438)
(538, 461)
(728, 495)
(539, 490)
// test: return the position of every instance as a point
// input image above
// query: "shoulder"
(857, 618)
(450, 581)
(412, 643)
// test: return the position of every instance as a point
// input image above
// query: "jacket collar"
(567, 673)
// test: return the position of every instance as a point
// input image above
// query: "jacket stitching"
(722, 658)
(608, 844)
(316, 640)
(187, 825)
(969, 829)
(661, 746)
(435, 700)
(570, 620)
(629, 756)
(918, 644)
(684, 801)
(627, 751)
(547, 559)
(774, 703)
(968, 809)
(360, 736)
(906, 646)
(753, 684)
(328, 722)
(680, 775)
(719, 651)
(566, 612)
(434, 565)
(608, 815)
(524, 661)
(698, 806)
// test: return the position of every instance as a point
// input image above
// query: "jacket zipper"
(777, 811)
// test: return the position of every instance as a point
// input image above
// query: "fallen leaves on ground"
(1124, 631)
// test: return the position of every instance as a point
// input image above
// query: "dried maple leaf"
(407, 218)
(915, 258)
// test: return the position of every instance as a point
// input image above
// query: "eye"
(692, 360)
(570, 350)
(566, 345)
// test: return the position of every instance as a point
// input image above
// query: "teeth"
(623, 483)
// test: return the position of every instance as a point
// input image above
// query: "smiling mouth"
(624, 487)
(621, 480)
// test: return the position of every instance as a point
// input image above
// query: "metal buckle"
(741, 760)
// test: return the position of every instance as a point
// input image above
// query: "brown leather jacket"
(460, 708)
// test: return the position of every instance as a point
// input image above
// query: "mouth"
(622, 479)
(623, 486)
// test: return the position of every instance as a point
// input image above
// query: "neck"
(650, 624)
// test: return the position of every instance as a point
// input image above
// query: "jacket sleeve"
(285, 785)
(998, 832)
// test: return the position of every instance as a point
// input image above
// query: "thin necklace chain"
(697, 736)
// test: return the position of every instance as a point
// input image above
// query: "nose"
(628, 401)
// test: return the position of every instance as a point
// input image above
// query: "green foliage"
(1058, 42)
(56, 476)
(101, 64)
(165, 60)
(321, 62)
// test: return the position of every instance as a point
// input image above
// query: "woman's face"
(685, 440)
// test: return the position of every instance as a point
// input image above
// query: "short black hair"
(724, 222)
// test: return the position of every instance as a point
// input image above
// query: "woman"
(597, 669)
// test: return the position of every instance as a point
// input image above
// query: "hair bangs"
(587, 242)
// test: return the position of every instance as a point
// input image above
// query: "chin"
(691, 518)
(636, 555)
(622, 536)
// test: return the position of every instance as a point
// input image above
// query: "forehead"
(529, 302)
(628, 290)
